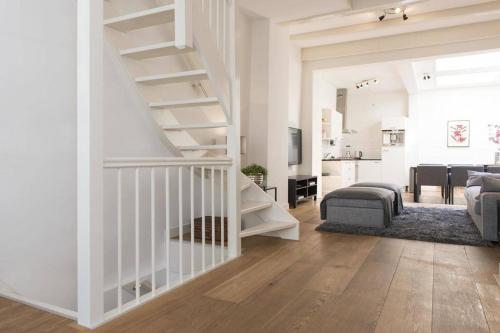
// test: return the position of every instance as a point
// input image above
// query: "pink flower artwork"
(494, 134)
(458, 133)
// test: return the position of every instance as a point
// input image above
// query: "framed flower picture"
(458, 133)
(494, 134)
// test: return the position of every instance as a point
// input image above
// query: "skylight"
(475, 61)
(467, 79)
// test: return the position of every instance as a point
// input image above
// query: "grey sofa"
(484, 208)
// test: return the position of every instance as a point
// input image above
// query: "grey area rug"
(438, 225)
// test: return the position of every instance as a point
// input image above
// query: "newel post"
(233, 149)
(183, 24)
(90, 162)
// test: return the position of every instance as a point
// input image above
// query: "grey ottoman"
(361, 206)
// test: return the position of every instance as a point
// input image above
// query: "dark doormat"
(440, 225)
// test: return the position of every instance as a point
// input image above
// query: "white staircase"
(261, 215)
(161, 213)
(156, 19)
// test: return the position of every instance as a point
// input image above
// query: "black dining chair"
(458, 177)
(493, 168)
(432, 175)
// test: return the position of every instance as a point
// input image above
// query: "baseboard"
(40, 305)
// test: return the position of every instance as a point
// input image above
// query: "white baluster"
(210, 14)
(153, 234)
(217, 26)
(203, 219)
(181, 235)
(137, 277)
(213, 214)
(167, 228)
(221, 214)
(119, 239)
(224, 29)
(192, 219)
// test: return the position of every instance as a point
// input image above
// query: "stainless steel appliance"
(393, 138)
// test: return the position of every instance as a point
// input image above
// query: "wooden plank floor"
(324, 283)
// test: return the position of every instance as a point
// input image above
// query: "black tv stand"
(300, 188)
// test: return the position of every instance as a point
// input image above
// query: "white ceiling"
(397, 76)
(432, 14)
(321, 22)
(284, 10)
(387, 75)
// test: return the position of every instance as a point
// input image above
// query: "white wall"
(38, 149)
(294, 95)
(243, 60)
(271, 69)
(257, 126)
(365, 110)
(431, 111)
(278, 110)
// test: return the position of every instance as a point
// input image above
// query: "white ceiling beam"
(408, 76)
(426, 21)
(370, 4)
(407, 42)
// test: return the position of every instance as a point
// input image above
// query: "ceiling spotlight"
(365, 83)
(393, 11)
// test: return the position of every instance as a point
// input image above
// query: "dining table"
(413, 179)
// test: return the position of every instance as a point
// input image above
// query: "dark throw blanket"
(398, 199)
(361, 193)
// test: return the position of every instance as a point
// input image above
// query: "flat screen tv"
(294, 146)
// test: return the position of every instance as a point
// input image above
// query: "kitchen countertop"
(352, 159)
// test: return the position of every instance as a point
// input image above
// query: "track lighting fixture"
(365, 83)
(393, 11)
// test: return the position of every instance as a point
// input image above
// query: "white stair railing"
(175, 208)
(147, 207)
(214, 32)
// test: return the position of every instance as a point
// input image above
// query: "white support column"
(233, 146)
(233, 178)
(183, 24)
(90, 163)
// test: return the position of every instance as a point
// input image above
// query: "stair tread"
(253, 206)
(185, 103)
(194, 75)
(153, 51)
(245, 184)
(194, 126)
(142, 19)
(267, 227)
(203, 147)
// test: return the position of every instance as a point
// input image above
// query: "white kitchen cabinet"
(369, 171)
(348, 173)
(338, 174)
(394, 166)
(394, 123)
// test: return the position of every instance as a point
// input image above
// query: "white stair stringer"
(183, 140)
(261, 215)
